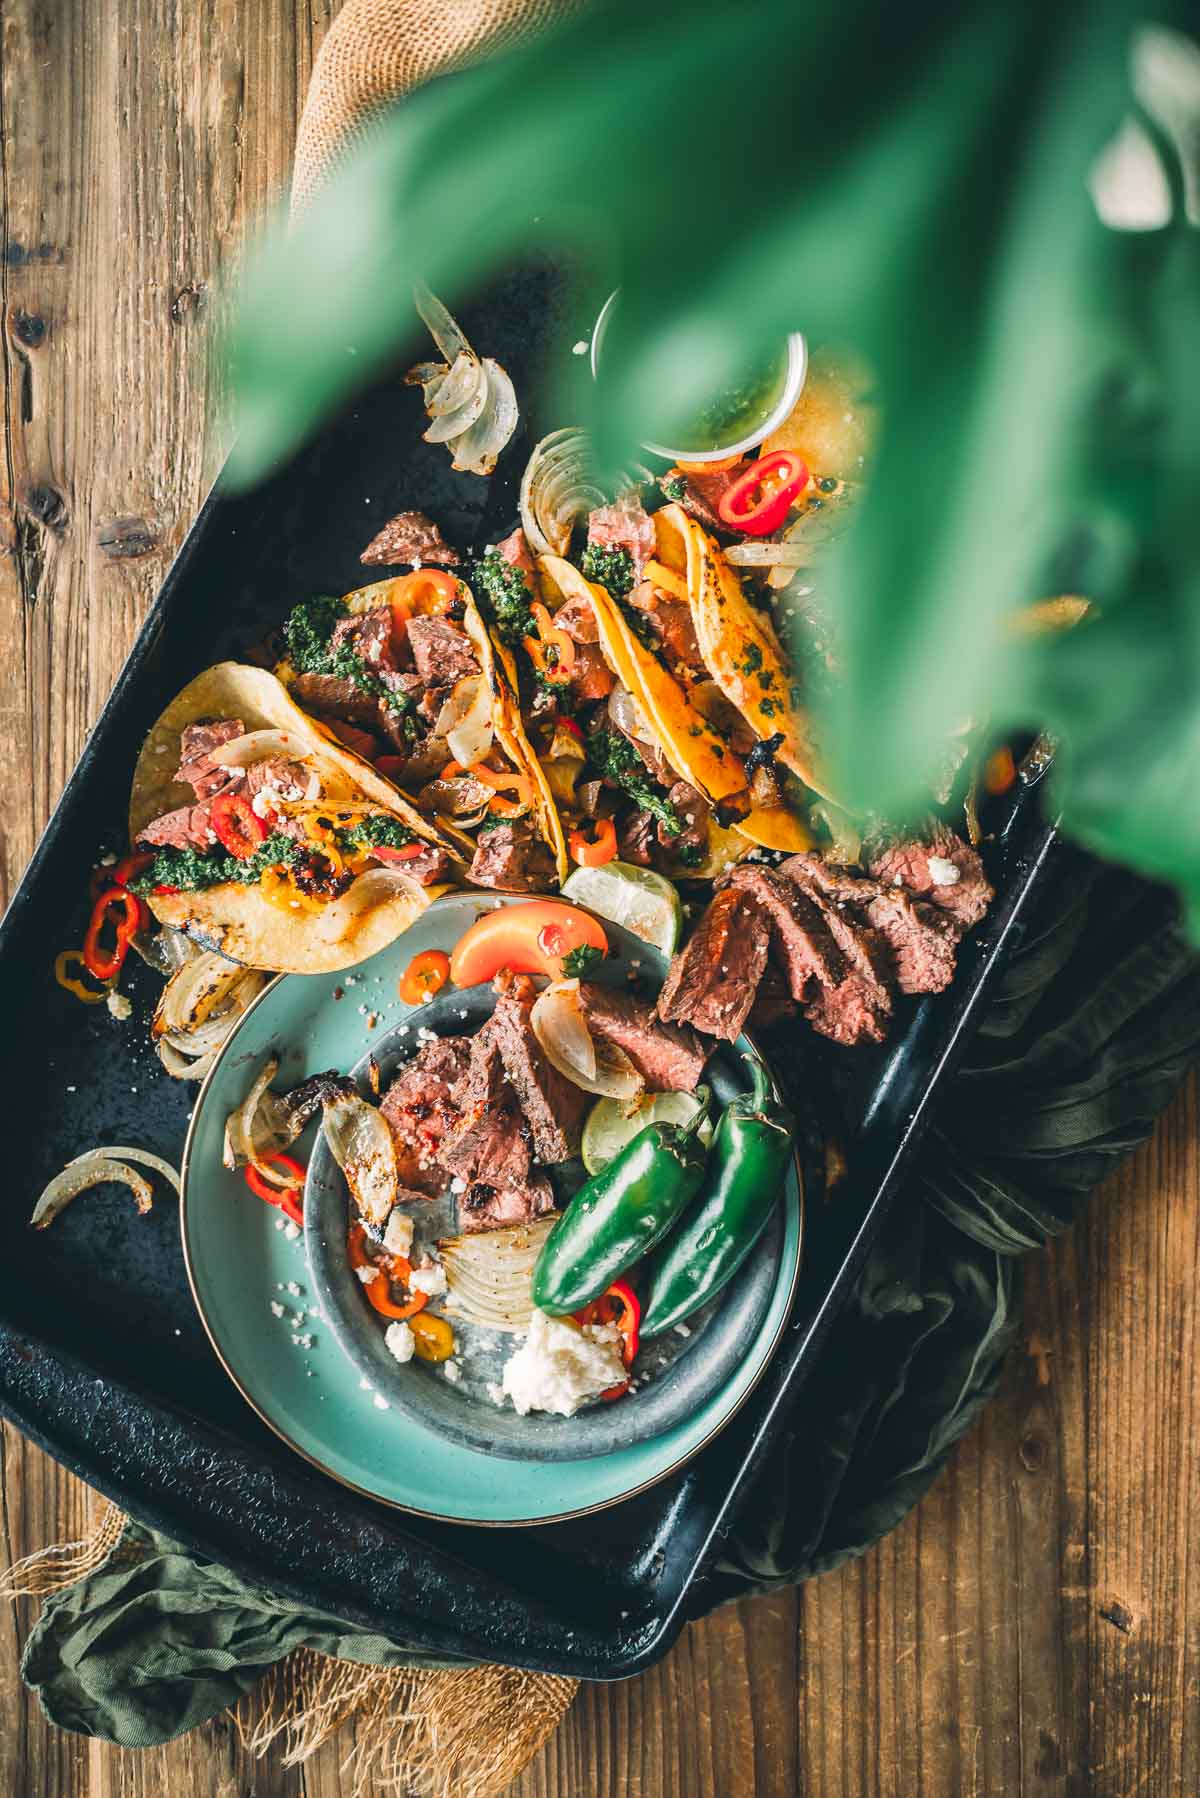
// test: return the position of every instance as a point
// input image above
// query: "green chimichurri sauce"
(738, 409)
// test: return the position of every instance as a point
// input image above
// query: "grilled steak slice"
(624, 525)
(701, 494)
(637, 835)
(694, 811)
(671, 619)
(484, 1207)
(369, 635)
(712, 980)
(669, 1057)
(773, 1001)
(577, 619)
(430, 866)
(858, 1007)
(336, 697)
(515, 551)
(921, 939)
(420, 1110)
(510, 858)
(413, 538)
(442, 653)
(196, 766)
(935, 865)
(802, 943)
(552, 1106)
(488, 1142)
(185, 828)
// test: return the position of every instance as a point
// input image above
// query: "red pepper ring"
(759, 500)
(120, 909)
(238, 827)
(288, 1198)
(618, 1304)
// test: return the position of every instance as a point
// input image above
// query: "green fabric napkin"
(1094, 1026)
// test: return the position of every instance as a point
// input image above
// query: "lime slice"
(638, 898)
(611, 1123)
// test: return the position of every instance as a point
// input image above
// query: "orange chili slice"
(593, 852)
(426, 973)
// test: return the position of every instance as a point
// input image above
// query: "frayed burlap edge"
(462, 1733)
(53, 1569)
(459, 1733)
(378, 50)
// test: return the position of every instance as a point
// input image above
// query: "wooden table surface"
(1032, 1627)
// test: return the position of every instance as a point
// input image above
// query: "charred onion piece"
(98, 1167)
(361, 1144)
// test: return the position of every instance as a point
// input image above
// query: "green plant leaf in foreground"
(914, 183)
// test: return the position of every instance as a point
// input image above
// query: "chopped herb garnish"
(675, 488)
(377, 829)
(827, 485)
(308, 630)
(690, 855)
(191, 870)
(576, 962)
(617, 760)
(504, 598)
(610, 567)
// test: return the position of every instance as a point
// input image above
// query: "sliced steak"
(773, 1001)
(921, 939)
(803, 946)
(484, 1207)
(285, 779)
(511, 859)
(420, 1110)
(431, 865)
(552, 1106)
(369, 635)
(672, 623)
(701, 493)
(936, 865)
(335, 698)
(669, 1057)
(184, 828)
(712, 980)
(196, 766)
(515, 551)
(694, 811)
(858, 1007)
(577, 618)
(488, 1142)
(442, 652)
(626, 525)
(637, 835)
(410, 537)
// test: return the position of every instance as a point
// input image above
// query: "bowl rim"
(797, 375)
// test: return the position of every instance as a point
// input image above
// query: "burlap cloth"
(1093, 1027)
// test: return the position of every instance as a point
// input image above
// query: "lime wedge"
(638, 898)
(611, 1123)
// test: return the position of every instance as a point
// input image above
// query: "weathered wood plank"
(1032, 1629)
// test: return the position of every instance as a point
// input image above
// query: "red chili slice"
(238, 827)
(120, 910)
(759, 500)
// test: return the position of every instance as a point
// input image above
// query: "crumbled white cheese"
(380, 1403)
(276, 1308)
(943, 873)
(364, 1386)
(429, 1280)
(581, 348)
(682, 1330)
(560, 1366)
(399, 1341)
(294, 1289)
(495, 1393)
(119, 1005)
(291, 1230)
(452, 1371)
(397, 1238)
(367, 1272)
(458, 1184)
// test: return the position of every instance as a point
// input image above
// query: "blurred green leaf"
(913, 181)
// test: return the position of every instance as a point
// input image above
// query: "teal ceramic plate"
(251, 1284)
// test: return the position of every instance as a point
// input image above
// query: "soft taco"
(403, 676)
(269, 841)
(605, 784)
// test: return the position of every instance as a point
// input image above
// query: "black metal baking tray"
(103, 1361)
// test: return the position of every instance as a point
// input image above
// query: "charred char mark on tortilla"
(552, 1106)
(410, 537)
(484, 1207)
(936, 865)
(713, 979)
(669, 1057)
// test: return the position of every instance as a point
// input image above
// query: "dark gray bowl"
(686, 1369)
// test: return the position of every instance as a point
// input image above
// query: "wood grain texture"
(1032, 1628)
